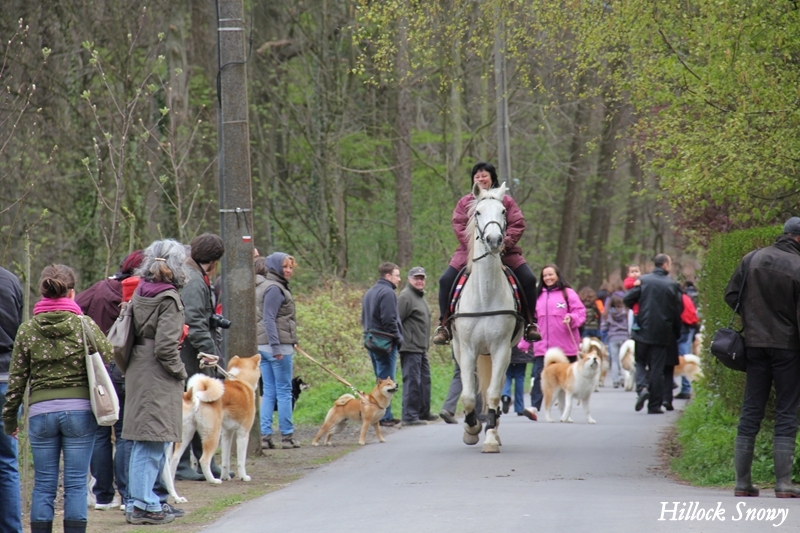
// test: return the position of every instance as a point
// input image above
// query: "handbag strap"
(741, 289)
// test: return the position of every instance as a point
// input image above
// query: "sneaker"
(107, 506)
(123, 507)
(390, 423)
(139, 516)
(441, 337)
(430, 417)
(658, 411)
(531, 413)
(683, 396)
(506, 400)
(414, 423)
(174, 511)
(532, 333)
(643, 397)
(266, 442)
(287, 442)
(616, 384)
(448, 417)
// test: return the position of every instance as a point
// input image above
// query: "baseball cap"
(792, 226)
(419, 271)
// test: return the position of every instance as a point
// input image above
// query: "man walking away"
(10, 319)
(659, 321)
(415, 316)
(768, 304)
(379, 312)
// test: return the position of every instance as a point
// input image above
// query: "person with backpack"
(560, 314)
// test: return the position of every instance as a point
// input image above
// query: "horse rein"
(482, 231)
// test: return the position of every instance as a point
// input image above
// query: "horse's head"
(488, 219)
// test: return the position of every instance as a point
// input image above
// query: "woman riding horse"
(485, 175)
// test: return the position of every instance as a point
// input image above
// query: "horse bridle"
(482, 231)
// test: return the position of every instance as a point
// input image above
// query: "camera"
(219, 321)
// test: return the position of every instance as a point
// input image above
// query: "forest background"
(633, 127)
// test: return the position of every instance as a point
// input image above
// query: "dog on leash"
(215, 408)
(369, 409)
(593, 344)
(569, 382)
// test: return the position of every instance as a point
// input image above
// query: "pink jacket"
(550, 312)
(515, 226)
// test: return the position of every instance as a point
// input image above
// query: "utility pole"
(235, 190)
(501, 95)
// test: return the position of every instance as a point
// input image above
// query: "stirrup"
(441, 336)
(532, 333)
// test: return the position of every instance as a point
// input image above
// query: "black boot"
(74, 526)
(185, 471)
(43, 527)
(742, 462)
(783, 455)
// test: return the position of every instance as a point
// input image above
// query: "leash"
(208, 360)
(332, 373)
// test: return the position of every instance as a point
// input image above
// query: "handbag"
(378, 341)
(121, 337)
(102, 395)
(728, 344)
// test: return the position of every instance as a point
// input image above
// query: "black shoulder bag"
(728, 344)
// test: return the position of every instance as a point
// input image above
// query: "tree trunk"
(632, 215)
(567, 255)
(603, 194)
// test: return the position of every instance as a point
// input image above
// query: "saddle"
(520, 303)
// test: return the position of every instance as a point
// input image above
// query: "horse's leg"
(499, 364)
(472, 426)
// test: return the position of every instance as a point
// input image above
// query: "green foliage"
(724, 254)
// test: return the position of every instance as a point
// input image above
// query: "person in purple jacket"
(559, 313)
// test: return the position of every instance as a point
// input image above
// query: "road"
(603, 478)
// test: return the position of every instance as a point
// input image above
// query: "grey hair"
(163, 263)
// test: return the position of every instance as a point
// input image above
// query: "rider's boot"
(532, 333)
(441, 336)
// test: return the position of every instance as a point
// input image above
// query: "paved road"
(548, 477)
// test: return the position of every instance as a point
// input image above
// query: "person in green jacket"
(50, 353)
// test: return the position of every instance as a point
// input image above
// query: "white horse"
(485, 322)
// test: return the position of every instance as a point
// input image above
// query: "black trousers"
(524, 274)
(416, 385)
(766, 366)
(652, 370)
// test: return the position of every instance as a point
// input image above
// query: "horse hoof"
(473, 430)
(471, 439)
(491, 448)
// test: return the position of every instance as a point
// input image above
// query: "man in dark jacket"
(415, 315)
(10, 319)
(379, 312)
(659, 322)
(768, 293)
(199, 305)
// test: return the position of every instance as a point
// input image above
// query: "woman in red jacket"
(485, 175)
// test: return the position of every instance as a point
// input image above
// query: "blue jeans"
(536, 385)
(102, 465)
(70, 432)
(277, 378)
(146, 462)
(516, 373)
(385, 366)
(10, 503)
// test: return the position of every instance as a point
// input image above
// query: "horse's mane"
(473, 205)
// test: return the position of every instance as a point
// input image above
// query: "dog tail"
(205, 389)
(554, 355)
(586, 344)
(344, 398)
(691, 358)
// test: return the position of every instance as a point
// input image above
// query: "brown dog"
(369, 409)
(569, 382)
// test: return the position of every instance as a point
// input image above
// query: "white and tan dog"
(627, 363)
(215, 409)
(569, 382)
(593, 344)
(688, 367)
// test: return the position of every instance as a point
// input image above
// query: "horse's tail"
(484, 366)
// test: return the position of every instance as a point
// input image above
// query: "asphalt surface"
(554, 477)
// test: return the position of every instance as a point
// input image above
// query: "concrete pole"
(235, 190)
